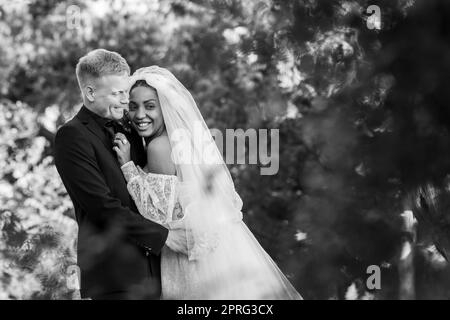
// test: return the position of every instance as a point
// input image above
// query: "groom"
(118, 250)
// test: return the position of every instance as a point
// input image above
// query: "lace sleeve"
(154, 194)
(129, 171)
(144, 193)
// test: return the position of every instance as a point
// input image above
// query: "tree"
(37, 221)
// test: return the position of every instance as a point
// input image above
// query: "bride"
(186, 185)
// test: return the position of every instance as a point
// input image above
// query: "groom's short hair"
(98, 63)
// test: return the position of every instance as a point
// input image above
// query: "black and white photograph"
(247, 151)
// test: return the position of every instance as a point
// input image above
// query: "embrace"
(152, 225)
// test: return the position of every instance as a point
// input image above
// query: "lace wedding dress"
(235, 266)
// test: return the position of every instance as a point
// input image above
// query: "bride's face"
(145, 112)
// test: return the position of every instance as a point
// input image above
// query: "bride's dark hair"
(141, 83)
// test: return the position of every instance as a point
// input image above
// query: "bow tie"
(115, 125)
(112, 127)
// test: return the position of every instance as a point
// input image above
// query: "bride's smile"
(145, 111)
(143, 125)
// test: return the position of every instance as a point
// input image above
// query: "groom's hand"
(122, 148)
(177, 241)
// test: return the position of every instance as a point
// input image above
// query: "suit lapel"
(93, 126)
(87, 120)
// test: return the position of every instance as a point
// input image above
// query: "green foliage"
(36, 218)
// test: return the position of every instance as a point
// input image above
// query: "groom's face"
(111, 95)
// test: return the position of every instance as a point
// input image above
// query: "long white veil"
(231, 258)
(207, 194)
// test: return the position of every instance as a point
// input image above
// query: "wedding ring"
(124, 141)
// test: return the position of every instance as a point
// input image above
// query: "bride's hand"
(122, 148)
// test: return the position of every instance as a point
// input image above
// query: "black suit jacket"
(118, 250)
